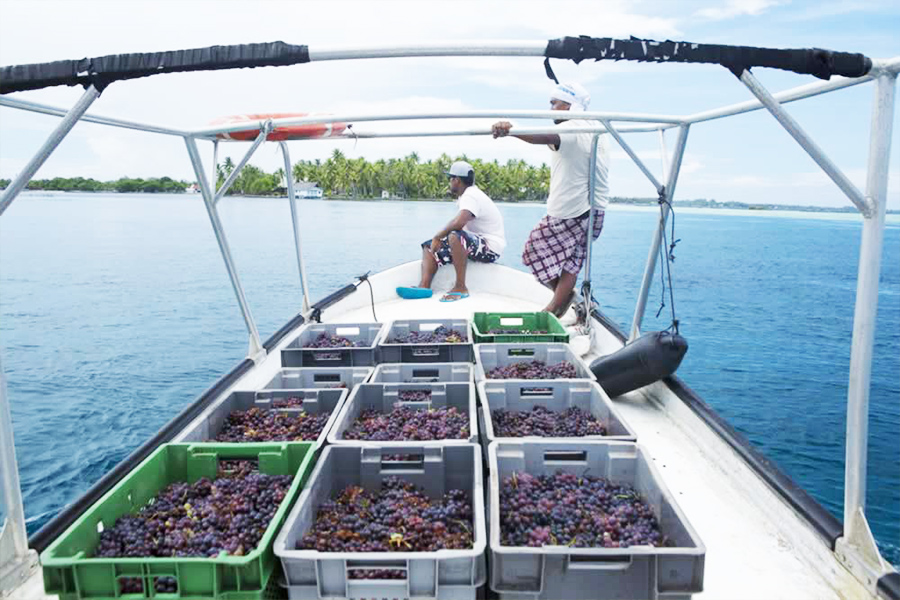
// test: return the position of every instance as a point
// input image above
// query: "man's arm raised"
(502, 129)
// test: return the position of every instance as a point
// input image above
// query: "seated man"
(476, 233)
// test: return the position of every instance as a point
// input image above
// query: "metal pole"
(295, 220)
(792, 127)
(13, 542)
(650, 267)
(586, 284)
(663, 154)
(57, 136)
(256, 349)
(640, 164)
(215, 167)
(263, 132)
(866, 305)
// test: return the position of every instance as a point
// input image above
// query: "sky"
(748, 158)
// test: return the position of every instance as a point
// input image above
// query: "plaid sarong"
(557, 245)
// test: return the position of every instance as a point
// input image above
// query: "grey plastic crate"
(428, 373)
(297, 355)
(555, 395)
(491, 356)
(305, 378)
(565, 573)
(383, 396)
(315, 401)
(443, 574)
(425, 353)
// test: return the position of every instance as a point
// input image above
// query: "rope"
(668, 255)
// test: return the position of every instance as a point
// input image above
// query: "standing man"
(475, 233)
(555, 249)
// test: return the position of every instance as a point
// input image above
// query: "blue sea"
(116, 311)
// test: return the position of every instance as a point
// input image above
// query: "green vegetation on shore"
(406, 178)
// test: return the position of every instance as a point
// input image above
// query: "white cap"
(573, 94)
(461, 169)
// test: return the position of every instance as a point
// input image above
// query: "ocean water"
(116, 311)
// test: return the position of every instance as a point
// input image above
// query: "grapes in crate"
(265, 425)
(202, 519)
(407, 424)
(567, 510)
(542, 422)
(440, 335)
(534, 369)
(399, 518)
(324, 340)
(414, 395)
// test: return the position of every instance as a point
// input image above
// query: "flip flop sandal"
(414, 293)
(454, 296)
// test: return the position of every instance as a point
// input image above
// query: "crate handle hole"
(99, 526)
(512, 321)
(344, 331)
(520, 352)
(526, 392)
(425, 373)
(565, 456)
(429, 326)
(326, 377)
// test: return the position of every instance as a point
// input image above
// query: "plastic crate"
(324, 377)
(565, 573)
(443, 574)
(557, 396)
(490, 356)
(482, 323)
(297, 355)
(73, 575)
(429, 373)
(425, 353)
(315, 401)
(383, 396)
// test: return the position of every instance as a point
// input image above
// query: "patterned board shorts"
(557, 245)
(475, 245)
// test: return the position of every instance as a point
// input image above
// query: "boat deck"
(756, 545)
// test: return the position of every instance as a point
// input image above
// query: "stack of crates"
(563, 571)
(436, 375)
(312, 381)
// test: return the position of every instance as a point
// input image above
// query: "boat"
(762, 535)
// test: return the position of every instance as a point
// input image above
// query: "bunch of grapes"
(406, 424)
(323, 340)
(399, 518)
(414, 395)
(377, 574)
(500, 331)
(540, 421)
(441, 335)
(265, 425)
(205, 518)
(534, 369)
(567, 510)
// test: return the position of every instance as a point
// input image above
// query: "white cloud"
(737, 8)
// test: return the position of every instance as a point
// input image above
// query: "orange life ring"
(288, 132)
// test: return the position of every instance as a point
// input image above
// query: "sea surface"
(116, 311)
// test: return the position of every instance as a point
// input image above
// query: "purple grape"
(205, 518)
(441, 335)
(323, 340)
(540, 421)
(534, 369)
(399, 518)
(265, 425)
(499, 331)
(407, 424)
(414, 395)
(567, 510)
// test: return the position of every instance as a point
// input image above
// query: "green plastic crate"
(536, 321)
(69, 572)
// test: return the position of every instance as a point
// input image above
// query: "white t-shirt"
(488, 223)
(570, 173)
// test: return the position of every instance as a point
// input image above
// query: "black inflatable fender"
(651, 357)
